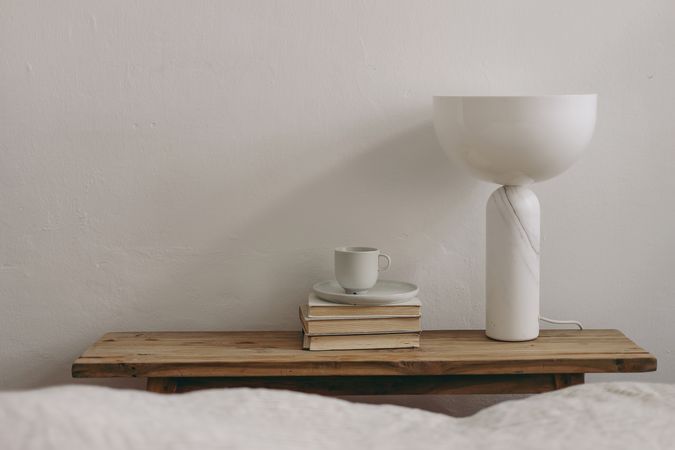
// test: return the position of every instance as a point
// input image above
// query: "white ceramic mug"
(357, 268)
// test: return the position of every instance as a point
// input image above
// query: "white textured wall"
(191, 164)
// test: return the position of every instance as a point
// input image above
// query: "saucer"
(385, 292)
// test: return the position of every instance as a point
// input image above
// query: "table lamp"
(514, 141)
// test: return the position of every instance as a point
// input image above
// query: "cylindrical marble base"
(512, 265)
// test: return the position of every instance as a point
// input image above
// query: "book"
(322, 325)
(322, 308)
(361, 342)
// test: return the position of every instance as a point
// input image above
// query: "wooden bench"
(448, 362)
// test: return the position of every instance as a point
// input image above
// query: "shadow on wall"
(393, 195)
(403, 195)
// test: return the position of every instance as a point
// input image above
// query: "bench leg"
(162, 385)
(563, 380)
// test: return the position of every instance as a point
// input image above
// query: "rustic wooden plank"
(279, 353)
(393, 385)
(162, 385)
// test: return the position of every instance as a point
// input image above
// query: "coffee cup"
(357, 268)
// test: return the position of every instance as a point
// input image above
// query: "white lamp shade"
(515, 140)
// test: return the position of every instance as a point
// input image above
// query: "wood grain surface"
(280, 354)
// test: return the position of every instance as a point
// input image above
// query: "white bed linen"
(595, 416)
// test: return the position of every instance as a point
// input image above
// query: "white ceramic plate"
(385, 292)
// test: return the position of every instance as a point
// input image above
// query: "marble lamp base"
(512, 264)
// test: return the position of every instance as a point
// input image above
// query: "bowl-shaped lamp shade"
(515, 140)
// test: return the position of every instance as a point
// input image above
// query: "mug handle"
(388, 258)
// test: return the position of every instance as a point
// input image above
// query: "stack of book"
(334, 326)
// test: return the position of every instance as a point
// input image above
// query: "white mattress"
(594, 416)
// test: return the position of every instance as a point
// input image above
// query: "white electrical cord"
(562, 322)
